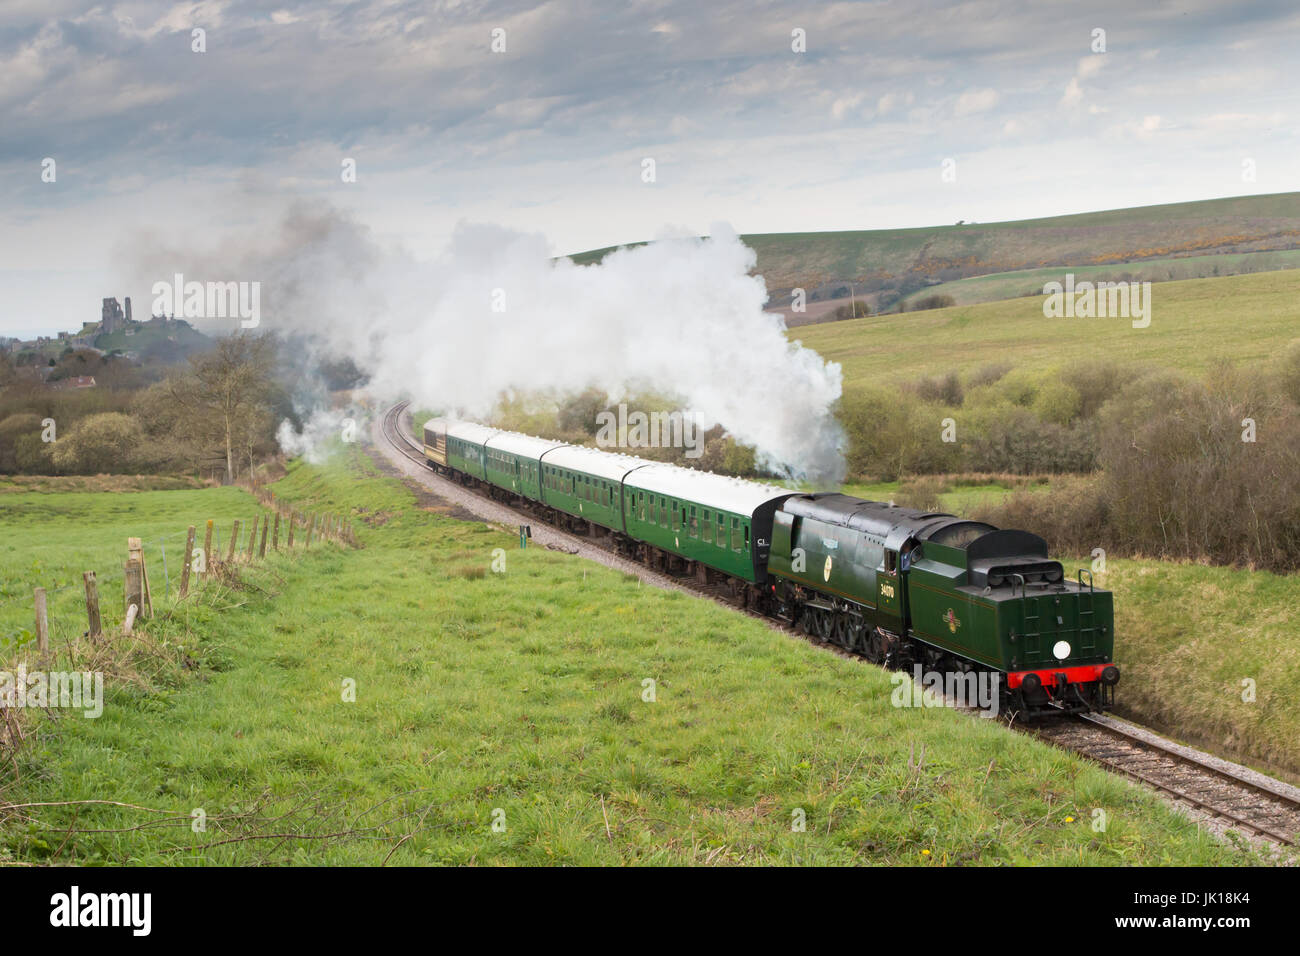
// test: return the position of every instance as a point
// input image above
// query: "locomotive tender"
(900, 586)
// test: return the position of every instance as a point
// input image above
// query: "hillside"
(884, 265)
(1248, 319)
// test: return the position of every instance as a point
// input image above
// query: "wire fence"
(158, 571)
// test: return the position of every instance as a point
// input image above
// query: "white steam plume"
(679, 316)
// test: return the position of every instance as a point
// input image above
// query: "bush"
(923, 493)
(106, 442)
(892, 433)
(12, 429)
(988, 374)
(932, 302)
(854, 310)
(1178, 480)
(1058, 403)
(1015, 440)
(945, 389)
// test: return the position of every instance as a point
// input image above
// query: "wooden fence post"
(207, 550)
(252, 540)
(234, 537)
(135, 551)
(189, 559)
(92, 603)
(42, 623)
(275, 535)
(266, 525)
(132, 588)
(292, 522)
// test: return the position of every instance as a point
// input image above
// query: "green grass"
(47, 539)
(1247, 319)
(1030, 282)
(1188, 635)
(522, 692)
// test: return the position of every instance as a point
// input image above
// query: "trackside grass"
(1211, 655)
(507, 718)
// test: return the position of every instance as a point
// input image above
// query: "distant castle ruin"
(111, 316)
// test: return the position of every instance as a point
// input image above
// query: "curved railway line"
(1235, 797)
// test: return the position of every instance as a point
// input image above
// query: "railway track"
(1255, 804)
(1261, 807)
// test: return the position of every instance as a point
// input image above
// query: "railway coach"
(697, 522)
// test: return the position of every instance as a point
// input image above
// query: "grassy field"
(48, 539)
(1194, 323)
(502, 718)
(1030, 282)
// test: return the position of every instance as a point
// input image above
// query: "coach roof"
(705, 488)
(470, 432)
(592, 461)
(526, 446)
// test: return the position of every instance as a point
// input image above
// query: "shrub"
(1058, 403)
(106, 442)
(945, 389)
(931, 302)
(988, 374)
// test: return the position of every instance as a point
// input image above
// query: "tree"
(224, 392)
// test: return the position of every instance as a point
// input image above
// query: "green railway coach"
(723, 523)
(465, 448)
(586, 483)
(513, 462)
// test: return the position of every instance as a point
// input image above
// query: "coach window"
(707, 525)
(694, 527)
(663, 512)
(735, 534)
(746, 537)
(654, 515)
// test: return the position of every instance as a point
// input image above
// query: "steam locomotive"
(902, 587)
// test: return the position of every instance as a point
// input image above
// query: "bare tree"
(225, 392)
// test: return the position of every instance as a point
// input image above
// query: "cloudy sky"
(152, 140)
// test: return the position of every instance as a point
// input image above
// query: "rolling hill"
(889, 265)
(1248, 319)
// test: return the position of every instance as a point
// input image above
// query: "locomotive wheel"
(843, 632)
(825, 623)
(875, 646)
